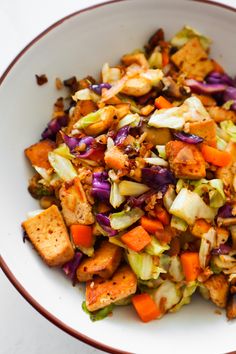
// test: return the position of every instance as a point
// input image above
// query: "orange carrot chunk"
(151, 225)
(162, 215)
(216, 157)
(161, 102)
(136, 239)
(191, 265)
(82, 235)
(145, 307)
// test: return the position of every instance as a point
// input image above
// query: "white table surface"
(22, 329)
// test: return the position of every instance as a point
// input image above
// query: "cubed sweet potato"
(101, 292)
(186, 160)
(103, 263)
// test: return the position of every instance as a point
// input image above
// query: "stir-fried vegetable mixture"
(136, 173)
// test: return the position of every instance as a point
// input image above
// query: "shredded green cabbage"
(143, 265)
(187, 33)
(62, 166)
(130, 188)
(189, 289)
(124, 219)
(189, 206)
(154, 248)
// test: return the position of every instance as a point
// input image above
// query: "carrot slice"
(215, 156)
(145, 307)
(151, 225)
(191, 265)
(82, 235)
(162, 215)
(162, 102)
(136, 239)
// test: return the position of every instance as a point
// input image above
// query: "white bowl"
(80, 44)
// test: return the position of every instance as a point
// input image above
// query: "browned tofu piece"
(38, 153)
(75, 206)
(205, 129)
(101, 293)
(192, 59)
(104, 262)
(186, 160)
(231, 307)
(48, 234)
(218, 288)
(206, 100)
(219, 114)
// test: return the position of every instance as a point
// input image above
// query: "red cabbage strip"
(70, 267)
(188, 138)
(104, 222)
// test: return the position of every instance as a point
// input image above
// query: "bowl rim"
(3, 265)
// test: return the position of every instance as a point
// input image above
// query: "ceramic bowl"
(79, 45)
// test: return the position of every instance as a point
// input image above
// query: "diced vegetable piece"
(146, 307)
(129, 188)
(165, 236)
(124, 219)
(189, 207)
(175, 269)
(161, 102)
(136, 239)
(191, 265)
(216, 157)
(187, 293)
(98, 314)
(167, 118)
(178, 224)
(200, 227)
(166, 296)
(162, 215)
(169, 197)
(143, 265)
(151, 225)
(155, 248)
(116, 199)
(208, 242)
(161, 151)
(62, 166)
(82, 235)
